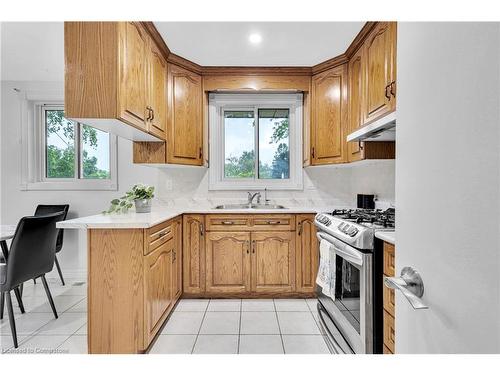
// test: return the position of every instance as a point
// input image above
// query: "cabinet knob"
(300, 229)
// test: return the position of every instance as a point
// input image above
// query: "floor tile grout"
(199, 329)
(279, 327)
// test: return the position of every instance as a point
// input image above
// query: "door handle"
(410, 284)
(271, 222)
(227, 222)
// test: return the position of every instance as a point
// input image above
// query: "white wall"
(330, 187)
(447, 185)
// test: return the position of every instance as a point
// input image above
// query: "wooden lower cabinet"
(131, 286)
(177, 260)
(193, 232)
(389, 300)
(228, 262)
(273, 262)
(307, 254)
(249, 255)
(158, 286)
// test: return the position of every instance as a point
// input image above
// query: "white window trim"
(33, 156)
(220, 102)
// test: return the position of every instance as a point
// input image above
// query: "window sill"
(244, 185)
(72, 186)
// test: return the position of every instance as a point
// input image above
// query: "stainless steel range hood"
(384, 129)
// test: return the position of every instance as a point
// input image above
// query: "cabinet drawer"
(389, 300)
(273, 222)
(158, 235)
(227, 222)
(389, 259)
(389, 332)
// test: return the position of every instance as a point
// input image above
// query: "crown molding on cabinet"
(258, 70)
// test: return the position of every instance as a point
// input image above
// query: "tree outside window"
(73, 150)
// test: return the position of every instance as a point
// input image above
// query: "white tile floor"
(264, 326)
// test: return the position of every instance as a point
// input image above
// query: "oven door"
(351, 310)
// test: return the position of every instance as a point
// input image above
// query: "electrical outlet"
(168, 185)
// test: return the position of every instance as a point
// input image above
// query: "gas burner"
(374, 218)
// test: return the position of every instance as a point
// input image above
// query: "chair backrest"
(32, 250)
(45, 209)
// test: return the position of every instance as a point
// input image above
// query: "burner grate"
(385, 218)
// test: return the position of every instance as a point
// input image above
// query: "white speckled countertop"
(387, 236)
(161, 214)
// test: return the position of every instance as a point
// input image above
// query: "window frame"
(221, 102)
(34, 151)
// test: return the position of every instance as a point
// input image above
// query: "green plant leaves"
(124, 203)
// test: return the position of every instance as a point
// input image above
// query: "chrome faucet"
(251, 197)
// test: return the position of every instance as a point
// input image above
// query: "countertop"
(161, 214)
(387, 236)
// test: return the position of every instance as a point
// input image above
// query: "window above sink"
(255, 141)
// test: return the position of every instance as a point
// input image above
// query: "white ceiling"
(283, 43)
(34, 51)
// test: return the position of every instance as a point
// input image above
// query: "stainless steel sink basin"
(249, 206)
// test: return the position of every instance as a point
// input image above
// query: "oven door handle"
(345, 251)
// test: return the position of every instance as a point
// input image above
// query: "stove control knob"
(353, 232)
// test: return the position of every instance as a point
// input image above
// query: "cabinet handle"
(386, 92)
(164, 233)
(360, 145)
(313, 153)
(152, 114)
(253, 246)
(228, 222)
(270, 222)
(175, 256)
(202, 230)
(300, 229)
(201, 153)
(248, 246)
(148, 117)
(393, 88)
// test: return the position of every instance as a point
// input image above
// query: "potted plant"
(140, 194)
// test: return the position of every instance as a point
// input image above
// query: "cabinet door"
(133, 69)
(157, 93)
(193, 254)
(273, 262)
(378, 68)
(329, 116)
(228, 262)
(354, 151)
(307, 254)
(177, 261)
(157, 287)
(185, 127)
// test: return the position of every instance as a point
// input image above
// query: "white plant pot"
(142, 205)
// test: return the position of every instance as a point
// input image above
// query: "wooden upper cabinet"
(193, 253)
(185, 118)
(158, 295)
(307, 253)
(133, 72)
(273, 262)
(108, 81)
(354, 149)
(157, 103)
(379, 78)
(228, 262)
(328, 116)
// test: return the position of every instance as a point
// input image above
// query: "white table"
(6, 233)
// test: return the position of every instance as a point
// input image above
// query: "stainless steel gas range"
(350, 313)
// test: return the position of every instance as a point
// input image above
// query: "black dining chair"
(45, 209)
(31, 255)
